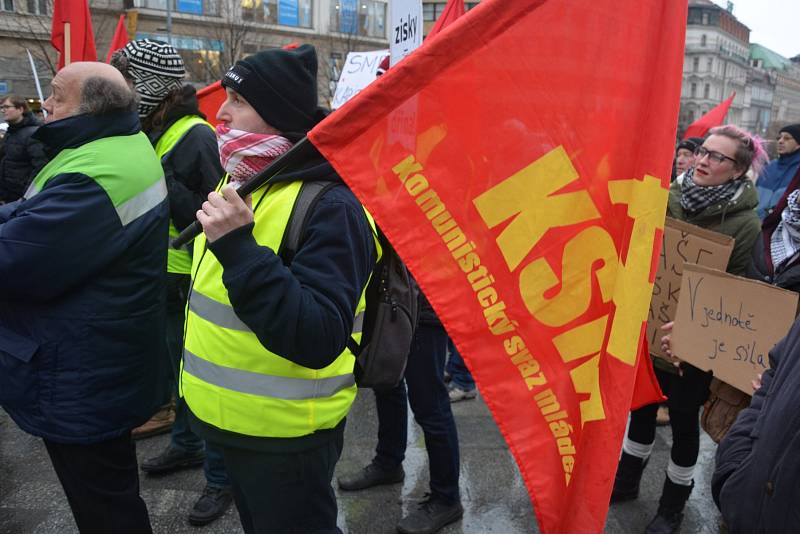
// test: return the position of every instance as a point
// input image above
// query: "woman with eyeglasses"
(714, 194)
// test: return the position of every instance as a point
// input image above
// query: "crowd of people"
(241, 352)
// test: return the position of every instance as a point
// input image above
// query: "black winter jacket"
(192, 168)
(787, 276)
(82, 339)
(755, 481)
(21, 158)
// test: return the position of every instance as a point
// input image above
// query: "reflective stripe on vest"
(123, 166)
(229, 379)
(178, 260)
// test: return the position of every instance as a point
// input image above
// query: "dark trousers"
(101, 481)
(287, 492)
(685, 394)
(430, 403)
(182, 436)
(459, 374)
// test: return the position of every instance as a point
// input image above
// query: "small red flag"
(120, 38)
(72, 16)
(498, 159)
(453, 10)
(714, 117)
(209, 99)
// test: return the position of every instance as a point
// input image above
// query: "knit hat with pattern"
(155, 67)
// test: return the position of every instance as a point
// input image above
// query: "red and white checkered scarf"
(243, 154)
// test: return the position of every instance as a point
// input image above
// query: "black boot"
(629, 473)
(670, 509)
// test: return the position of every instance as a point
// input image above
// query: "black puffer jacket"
(21, 158)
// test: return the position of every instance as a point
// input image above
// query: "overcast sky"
(773, 23)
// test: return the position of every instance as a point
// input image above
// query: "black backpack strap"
(310, 193)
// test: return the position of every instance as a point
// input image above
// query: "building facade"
(716, 62)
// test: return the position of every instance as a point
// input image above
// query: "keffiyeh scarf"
(785, 241)
(243, 154)
(696, 198)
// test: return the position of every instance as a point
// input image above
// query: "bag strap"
(310, 193)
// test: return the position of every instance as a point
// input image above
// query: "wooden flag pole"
(67, 44)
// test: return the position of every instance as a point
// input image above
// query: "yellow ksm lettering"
(531, 203)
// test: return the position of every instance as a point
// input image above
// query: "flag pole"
(36, 80)
(67, 44)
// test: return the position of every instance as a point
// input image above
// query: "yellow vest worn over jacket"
(229, 379)
(178, 260)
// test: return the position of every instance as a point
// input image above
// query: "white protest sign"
(405, 33)
(358, 72)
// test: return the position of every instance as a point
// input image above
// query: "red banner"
(120, 38)
(714, 117)
(72, 18)
(519, 163)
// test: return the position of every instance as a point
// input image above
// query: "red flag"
(209, 99)
(530, 215)
(120, 38)
(453, 10)
(714, 117)
(72, 16)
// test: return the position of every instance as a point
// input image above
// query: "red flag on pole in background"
(209, 100)
(453, 10)
(529, 205)
(714, 117)
(120, 38)
(71, 32)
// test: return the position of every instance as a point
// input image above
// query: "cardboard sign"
(405, 33)
(358, 72)
(728, 325)
(683, 243)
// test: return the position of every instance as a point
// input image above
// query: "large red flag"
(120, 38)
(714, 117)
(453, 10)
(72, 16)
(527, 196)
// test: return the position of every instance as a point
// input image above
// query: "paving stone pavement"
(494, 497)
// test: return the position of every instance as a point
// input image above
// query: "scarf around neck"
(244, 154)
(695, 198)
(785, 241)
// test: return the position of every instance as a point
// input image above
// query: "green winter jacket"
(737, 219)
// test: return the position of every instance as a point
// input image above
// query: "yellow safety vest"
(178, 260)
(229, 379)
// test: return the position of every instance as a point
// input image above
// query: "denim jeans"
(427, 394)
(459, 374)
(182, 437)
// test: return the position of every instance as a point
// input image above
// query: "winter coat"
(21, 158)
(192, 168)
(82, 266)
(737, 218)
(773, 181)
(755, 481)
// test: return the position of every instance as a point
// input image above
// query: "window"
(706, 91)
(365, 17)
(696, 64)
(432, 10)
(703, 40)
(6, 5)
(694, 90)
(37, 7)
(470, 5)
(690, 116)
(710, 64)
(295, 13)
(705, 19)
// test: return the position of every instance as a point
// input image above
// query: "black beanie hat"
(793, 130)
(281, 85)
(690, 143)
